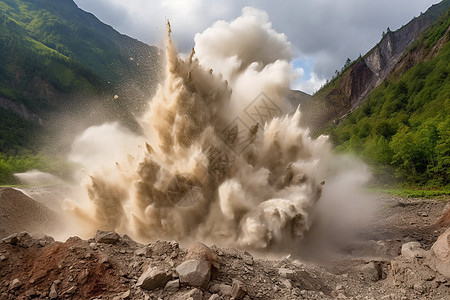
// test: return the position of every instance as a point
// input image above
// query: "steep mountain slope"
(357, 80)
(54, 56)
(403, 128)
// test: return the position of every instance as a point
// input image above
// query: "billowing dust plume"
(220, 160)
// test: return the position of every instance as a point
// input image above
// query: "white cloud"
(309, 86)
(299, 72)
(327, 31)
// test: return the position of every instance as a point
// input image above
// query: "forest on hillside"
(403, 128)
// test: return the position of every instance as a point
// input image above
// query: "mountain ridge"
(57, 58)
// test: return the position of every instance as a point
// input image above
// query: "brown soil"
(19, 212)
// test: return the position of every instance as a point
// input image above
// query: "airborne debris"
(219, 159)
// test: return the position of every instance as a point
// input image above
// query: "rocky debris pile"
(110, 266)
(19, 212)
(424, 272)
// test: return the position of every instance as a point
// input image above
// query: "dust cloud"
(220, 159)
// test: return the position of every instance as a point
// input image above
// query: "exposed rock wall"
(376, 66)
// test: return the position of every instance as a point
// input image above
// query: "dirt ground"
(370, 266)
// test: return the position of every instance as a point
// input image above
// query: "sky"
(323, 33)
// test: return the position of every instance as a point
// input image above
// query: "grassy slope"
(30, 70)
(403, 128)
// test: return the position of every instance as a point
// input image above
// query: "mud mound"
(19, 212)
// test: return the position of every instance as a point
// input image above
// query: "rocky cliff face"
(392, 53)
(371, 70)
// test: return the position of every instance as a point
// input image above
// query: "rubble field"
(403, 254)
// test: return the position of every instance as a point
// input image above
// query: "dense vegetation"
(403, 128)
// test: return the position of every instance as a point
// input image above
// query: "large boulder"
(441, 253)
(199, 251)
(107, 237)
(195, 273)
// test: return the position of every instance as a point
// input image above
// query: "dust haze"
(221, 158)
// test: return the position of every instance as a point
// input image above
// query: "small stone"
(30, 293)
(126, 295)
(106, 237)
(172, 286)
(93, 246)
(225, 289)
(286, 282)
(214, 297)
(296, 292)
(286, 273)
(140, 251)
(370, 271)
(53, 294)
(160, 248)
(214, 289)
(71, 290)
(12, 239)
(248, 260)
(3, 258)
(341, 296)
(15, 284)
(238, 289)
(194, 294)
(412, 249)
(419, 288)
(152, 279)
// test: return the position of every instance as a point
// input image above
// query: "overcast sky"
(323, 33)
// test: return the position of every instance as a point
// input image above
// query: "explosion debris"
(219, 159)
